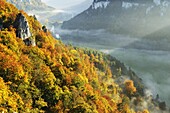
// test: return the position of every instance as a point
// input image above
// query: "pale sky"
(61, 4)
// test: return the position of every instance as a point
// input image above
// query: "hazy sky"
(61, 4)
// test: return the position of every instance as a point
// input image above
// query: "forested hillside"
(56, 78)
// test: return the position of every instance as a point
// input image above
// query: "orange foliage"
(52, 76)
(129, 86)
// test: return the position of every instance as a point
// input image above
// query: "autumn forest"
(52, 77)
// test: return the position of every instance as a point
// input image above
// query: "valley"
(135, 32)
(151, 65)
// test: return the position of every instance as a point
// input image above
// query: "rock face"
(22, 27)
(44, 28)
(23, 30)
(123, 16)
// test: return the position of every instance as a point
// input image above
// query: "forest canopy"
(54, 77)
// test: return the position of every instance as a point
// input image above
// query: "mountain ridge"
(29, 5)
(120, 15)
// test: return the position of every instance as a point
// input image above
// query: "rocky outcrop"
(44, 28)
(22, 30)
(22, 27)
(30, 41)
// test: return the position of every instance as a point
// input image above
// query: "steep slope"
(29, 5)
(123, 16)
(53, 77)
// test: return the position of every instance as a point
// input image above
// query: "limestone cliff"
(22, 29)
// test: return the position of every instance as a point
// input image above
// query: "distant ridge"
(123, 16)
(28, 5)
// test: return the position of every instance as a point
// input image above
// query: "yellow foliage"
(7, 98)
(55, 77)
(145, 111)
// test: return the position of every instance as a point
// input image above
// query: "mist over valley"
(149, 61)
(140, 38)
